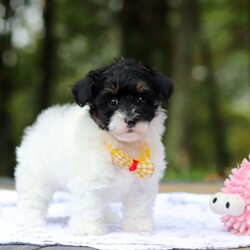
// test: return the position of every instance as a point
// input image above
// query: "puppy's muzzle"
(131, 121)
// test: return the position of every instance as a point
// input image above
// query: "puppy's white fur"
(64, 150)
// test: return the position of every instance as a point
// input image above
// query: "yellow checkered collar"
(142, 168)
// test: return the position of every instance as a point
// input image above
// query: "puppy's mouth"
(127, 130)
(130, 130)
(130, 135)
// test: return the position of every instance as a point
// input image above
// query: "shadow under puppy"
(107, 151)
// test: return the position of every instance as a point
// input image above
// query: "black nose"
(130, 121)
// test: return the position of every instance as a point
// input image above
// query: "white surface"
(183, 221)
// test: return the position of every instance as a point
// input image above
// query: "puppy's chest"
(123, 179)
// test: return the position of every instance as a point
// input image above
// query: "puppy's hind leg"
(34, 194)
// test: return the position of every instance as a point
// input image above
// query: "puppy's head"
(124, 97)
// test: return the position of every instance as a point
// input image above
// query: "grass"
(187, 174)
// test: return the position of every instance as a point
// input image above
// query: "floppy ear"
(82, 90)
(164, 84)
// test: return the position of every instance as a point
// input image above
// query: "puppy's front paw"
(30, 218)
(138, 224)
(87, 228)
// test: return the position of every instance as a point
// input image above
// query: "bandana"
(142, 168)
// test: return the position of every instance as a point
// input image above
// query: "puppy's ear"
(82, 90)
(164, 84)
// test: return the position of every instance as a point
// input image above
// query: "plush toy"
(234, 200)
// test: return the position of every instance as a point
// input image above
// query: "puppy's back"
(43, 141)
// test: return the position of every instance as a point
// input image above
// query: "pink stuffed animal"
(234, 200)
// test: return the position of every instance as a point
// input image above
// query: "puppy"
(108, 150)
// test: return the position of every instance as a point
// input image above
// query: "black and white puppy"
(66, 149)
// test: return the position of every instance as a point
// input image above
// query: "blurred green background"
(204, 45)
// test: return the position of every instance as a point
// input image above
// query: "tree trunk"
(48, 56)
(176, 135)
(7, 146)
(216, 119)
(144, 32)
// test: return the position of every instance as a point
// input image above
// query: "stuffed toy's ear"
(82, 90)
(165, 85)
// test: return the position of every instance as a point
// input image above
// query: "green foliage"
(91, 33)
(189, 173)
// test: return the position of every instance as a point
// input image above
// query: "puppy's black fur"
(130, 87)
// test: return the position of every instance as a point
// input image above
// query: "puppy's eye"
(140, 100)
(113, 102)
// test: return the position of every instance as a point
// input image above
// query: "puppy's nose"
(130, 121)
